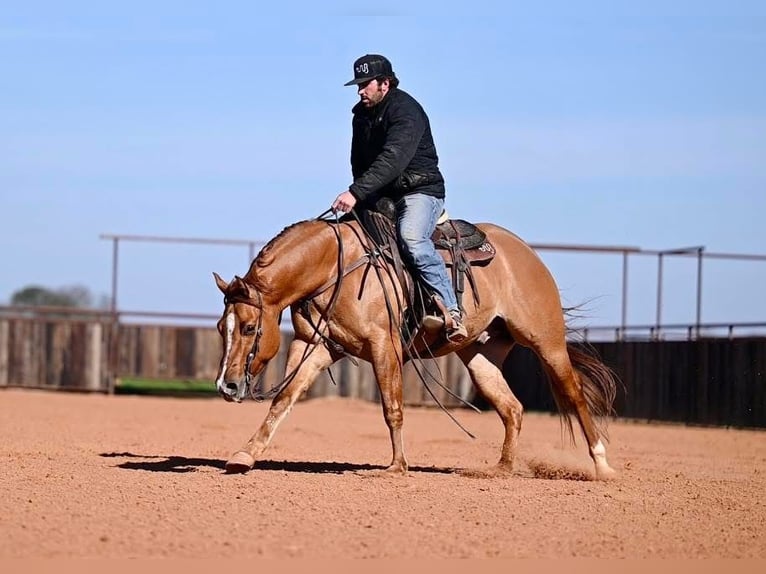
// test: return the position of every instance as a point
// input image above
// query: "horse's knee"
(394, 417)
(514, 411)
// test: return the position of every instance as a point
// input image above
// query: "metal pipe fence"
(657, 331)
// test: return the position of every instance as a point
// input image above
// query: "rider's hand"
(345, 202)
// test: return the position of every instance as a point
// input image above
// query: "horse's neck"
(295, 264)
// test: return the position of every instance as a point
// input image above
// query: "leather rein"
(255, 390)
(371, 255)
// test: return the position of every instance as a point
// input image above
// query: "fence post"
(4, 352)
(94, 335)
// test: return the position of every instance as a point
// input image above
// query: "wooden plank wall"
(153, 352)
(168, 352)
(708, 381)
(55, 353)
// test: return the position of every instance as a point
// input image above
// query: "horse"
(321, 270)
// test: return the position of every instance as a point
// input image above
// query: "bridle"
(371, 256)
(258, 304)
(255, 390)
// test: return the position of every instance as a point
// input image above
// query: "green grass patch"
(165, 387)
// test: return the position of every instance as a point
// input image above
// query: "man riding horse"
(320, 271)
(393, 156)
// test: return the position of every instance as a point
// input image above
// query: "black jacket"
(392, 150)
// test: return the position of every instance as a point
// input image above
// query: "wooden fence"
(56, 352)
(155, 352)
(706, 381)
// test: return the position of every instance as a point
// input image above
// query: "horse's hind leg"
(484, 363)
(569, 389)
(309, 362)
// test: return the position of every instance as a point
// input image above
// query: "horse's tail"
(599, 387)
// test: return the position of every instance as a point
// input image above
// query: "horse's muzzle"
(232, 391)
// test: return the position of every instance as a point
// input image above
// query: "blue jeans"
(416, 216)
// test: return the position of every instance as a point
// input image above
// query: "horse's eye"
(249, 330)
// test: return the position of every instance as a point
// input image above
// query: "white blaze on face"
(231, 322)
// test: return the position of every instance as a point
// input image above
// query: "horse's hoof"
(239, 462)
(397, 469)
(605, 472)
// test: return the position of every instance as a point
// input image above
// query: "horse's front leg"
(309, 362)
(388, 372)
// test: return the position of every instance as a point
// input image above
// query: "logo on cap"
(369, 67)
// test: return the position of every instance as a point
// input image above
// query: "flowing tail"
(599, 388)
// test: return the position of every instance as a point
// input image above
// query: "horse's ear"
(244, 286)
(222, 285)
(251, 292)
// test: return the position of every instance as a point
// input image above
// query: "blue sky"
(637, 123)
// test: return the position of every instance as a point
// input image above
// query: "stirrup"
(432, 323)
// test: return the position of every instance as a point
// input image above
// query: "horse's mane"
(266, 257)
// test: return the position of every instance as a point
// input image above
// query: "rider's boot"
(456, 332)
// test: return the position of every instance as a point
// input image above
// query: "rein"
(372, 251)
(255, 390)
(257, 343)
(371, 255)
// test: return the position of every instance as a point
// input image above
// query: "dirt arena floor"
(137, 477)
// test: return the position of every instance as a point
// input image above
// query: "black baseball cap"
(369, 67)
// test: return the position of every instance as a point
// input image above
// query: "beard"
(373, 99)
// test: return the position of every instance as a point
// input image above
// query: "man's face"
(372, 92)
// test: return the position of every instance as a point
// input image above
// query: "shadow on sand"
(155, 463)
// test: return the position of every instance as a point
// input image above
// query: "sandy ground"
(113, 477)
